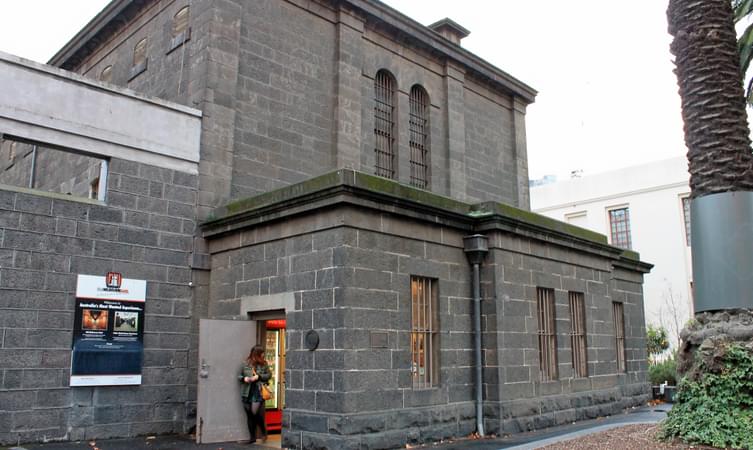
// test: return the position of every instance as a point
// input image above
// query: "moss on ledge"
(354, 181)
(541, 221)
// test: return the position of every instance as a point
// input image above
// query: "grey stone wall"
(350, 284)
(285, 96)
(287, 92)
(349, 270)
(517, 398)
(490, 164)
(145, 232)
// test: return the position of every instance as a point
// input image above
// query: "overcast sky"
(607, 95)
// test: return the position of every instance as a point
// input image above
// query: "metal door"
(223, 346)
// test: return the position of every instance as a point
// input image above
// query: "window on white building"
(619, 227)
(686, 218)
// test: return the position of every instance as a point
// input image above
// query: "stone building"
(345, 153)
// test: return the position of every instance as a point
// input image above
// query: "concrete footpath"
(522, 441)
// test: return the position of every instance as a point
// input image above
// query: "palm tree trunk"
(713, 102)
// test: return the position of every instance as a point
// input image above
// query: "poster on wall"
(108, 331)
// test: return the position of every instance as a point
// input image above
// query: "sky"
(607, 96)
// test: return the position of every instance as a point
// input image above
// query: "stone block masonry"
(145, 231)
(346, 245)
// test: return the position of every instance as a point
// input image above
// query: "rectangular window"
(686, 218)
(578, 333)
(424, 332)
(547, 336)
(619, 225)
(619, 334)
(47, 168)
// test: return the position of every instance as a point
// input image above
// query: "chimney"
(450, 30)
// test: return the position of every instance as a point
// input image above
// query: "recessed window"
(686, 218)
(578, 333)
(424, 332)
(579, 219)
(106, 75)
(139, 59)
(419, 137)
(546, 333)
(51, 169)
(384, 124)
(619, 225)
(619, 334)
(180, 32)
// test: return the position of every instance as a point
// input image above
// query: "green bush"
(656, 341)
(717, 408)
(660, 372)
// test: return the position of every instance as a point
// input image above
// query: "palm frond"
(742, 8)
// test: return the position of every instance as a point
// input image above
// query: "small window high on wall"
(33, 165)
(384, 124)
(106, 75)
(419, 137)
(139, 59)
(181, 32)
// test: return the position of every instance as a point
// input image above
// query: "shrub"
(656, 341)
(660, 372)
(716, 408)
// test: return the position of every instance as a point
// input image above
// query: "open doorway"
(272, 336)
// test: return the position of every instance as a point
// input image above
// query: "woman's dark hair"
(256, 356)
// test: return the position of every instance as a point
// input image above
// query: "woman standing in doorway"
(255, 372)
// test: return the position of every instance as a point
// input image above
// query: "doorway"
(271, 334)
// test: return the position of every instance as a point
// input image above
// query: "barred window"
(419, 137)
(686, 218)
(384, 124)
(578, 333)
(424, 332)
(619, 224)
(106, 75)
(547, 336)
(619, 334)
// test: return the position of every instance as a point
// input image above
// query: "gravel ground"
(629, 437)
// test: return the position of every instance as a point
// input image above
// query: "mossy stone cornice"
(365, 190)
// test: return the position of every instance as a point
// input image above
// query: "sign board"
(108, 331)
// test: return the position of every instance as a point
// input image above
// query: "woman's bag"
(266, 394)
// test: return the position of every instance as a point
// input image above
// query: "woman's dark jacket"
(250, 391)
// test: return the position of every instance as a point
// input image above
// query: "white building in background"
(644, 208)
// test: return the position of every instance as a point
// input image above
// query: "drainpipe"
(476, 247)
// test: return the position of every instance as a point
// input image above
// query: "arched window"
(180, 21)
(106, 75)
(384, 124)
(180, 32)
(419, 137)
(139, 53)
(139, 59)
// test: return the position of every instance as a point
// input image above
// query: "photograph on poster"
(126, 321)
(94, 319)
